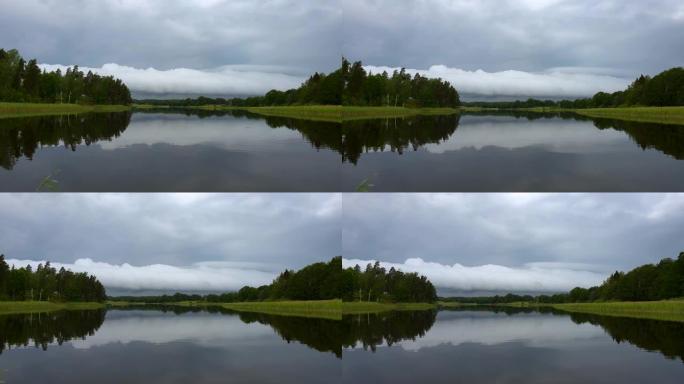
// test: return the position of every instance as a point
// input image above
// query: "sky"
(505, 48)
(184, 242)
(537, 243)
(488, 49)
(464, 243)
(158, 47)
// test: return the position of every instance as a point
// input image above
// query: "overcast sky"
(172, 241)
(224, 42)
(541, 48)
(512, 242)
(487, 49)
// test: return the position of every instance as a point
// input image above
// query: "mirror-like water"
(504, 152)
(169, 152)
(171, 344)
(237, 151)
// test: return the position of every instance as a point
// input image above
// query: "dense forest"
(663, 90)
(47, 284)
(375, 283)
(398, 90)
(318, 281)
(26, 82)
(648, 282)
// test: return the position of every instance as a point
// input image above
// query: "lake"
(170, 346)
(209, 151)
(510, 346)
(483, 345)
(169, 152)
(504, 152)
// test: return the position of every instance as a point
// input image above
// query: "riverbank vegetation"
(660, 115)
(17, 307)
(326, 309)
(669, 310)
(10, 110)
(48, 284)
(25, 82)
(356, 307)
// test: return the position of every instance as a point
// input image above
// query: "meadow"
(327, 309)
(669, 310)
(356, 307)
(660, 115)
(9, 110)
(16, 307)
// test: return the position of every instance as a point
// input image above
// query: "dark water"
(169, 152)
(237, 151)
(505, 152)
(469, 346)
(144, 346)
(489, 346)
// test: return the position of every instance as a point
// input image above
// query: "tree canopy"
(48, 284)
(375, 283)
(25, 82)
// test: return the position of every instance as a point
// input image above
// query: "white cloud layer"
(532, 277)
(553, 83)
(203, 276)
(225, 81)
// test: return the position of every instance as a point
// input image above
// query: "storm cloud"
(512, 242)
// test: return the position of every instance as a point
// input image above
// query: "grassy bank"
(18, 307)
(361, 113)
(670, 310)
(660, 115)
(329, 113)
(327, 309)
(9, 110)
(349, 308)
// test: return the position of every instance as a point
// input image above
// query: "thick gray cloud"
(512, 242)
(211, 47)
(615, 38)
(172, 241)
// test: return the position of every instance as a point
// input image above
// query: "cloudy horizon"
(488, 50)
(464, 243)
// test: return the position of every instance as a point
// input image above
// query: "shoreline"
(14, 110)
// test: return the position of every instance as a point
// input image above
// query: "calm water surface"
(169, 152)
(468, 346)
(510, 347)
(504, 152)
(143, 346)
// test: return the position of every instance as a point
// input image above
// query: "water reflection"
(371, 330)
(170, 151)
(513, 152)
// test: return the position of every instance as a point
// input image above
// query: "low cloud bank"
(204, 276)
(533, 277)
(227, 81)
(553, 83)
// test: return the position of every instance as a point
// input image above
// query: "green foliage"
(21, 82)
(397, 90)
(48, 284)
(375, 283)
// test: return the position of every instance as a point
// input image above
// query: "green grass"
(362, 113)
(9, 110)
(327, 309)
(356, 307)
(660, 115)
(19, 307)
(670, 310)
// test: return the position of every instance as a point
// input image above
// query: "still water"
(168, 152)
(164, 344)
(506, 152)
(153, 346)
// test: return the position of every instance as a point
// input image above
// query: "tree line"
(348, 85)
(398, 90)
(663, 90)
(375, 283)
(649, 282)
(22, 81)
(48, 284)
(318, 281)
